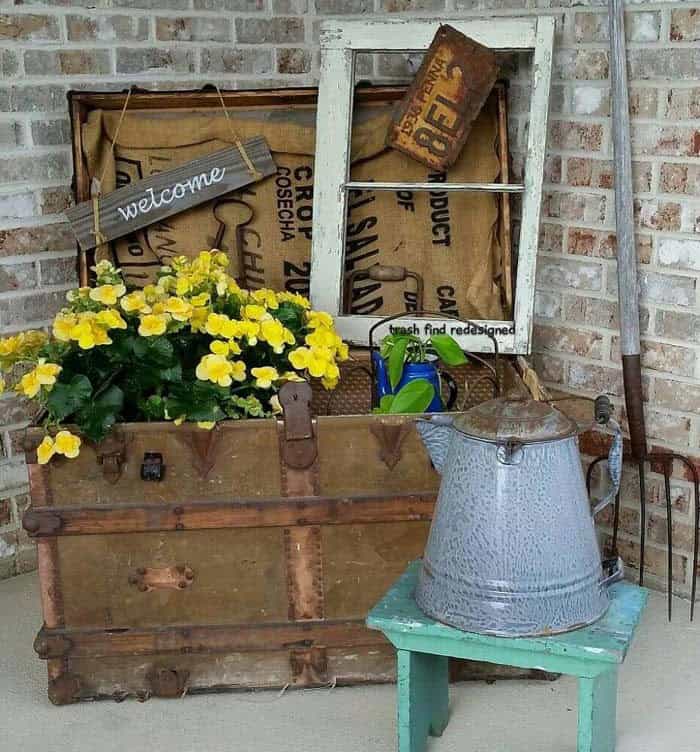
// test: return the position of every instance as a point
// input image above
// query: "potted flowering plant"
(194, 346)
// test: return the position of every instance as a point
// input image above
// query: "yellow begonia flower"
(198, 321)
(332, 371)
(255, 312)
(46, 450)
(103, 267)
(220, 325)
(314, 319)
(63, 325)
(321, 337)
(329, 383)
(110, 319)
(29, 385)
(9, 346)
(183, 285)
(107, 294)
(135, 301)
(2, 385)
(275, 405)
(153, 325)
(84, 333)
(299, 358)
(276, 335)
(293, 297)
(218, 347)
(200, 300)
(220, 258)
(46, 372)
(43, 375)
(67, 444)
(264, 376)
(179, 421)
(265, 297)
(178, 308)
(206, 424)
(292, 376)
(342, 350)
(250, 330)
(215, 368)
(33, 339)
(238, 369)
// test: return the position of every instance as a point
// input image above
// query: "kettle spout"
(436, 434)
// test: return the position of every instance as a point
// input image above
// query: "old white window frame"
(340, 41)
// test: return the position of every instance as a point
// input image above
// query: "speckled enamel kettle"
(512, 548)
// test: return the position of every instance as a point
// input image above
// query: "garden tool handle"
(602, 411)
(616, 571)
(452, 386)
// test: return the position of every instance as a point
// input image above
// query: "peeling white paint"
(588, 99)
(679, 253)
(6, 549)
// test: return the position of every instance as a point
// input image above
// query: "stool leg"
(597, 704)
(422, 698)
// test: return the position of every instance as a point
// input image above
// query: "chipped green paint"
(592, 654)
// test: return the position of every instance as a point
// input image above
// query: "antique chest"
(173, 559)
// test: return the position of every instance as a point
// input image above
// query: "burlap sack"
(449, 239)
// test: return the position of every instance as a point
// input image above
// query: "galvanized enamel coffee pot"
(512, 548)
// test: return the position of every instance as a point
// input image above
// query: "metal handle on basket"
(436, 314)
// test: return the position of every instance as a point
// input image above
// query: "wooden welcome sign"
(432, 121)
(151, 200)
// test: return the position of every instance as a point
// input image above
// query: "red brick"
(29, 28)
(107, 28)
(671, 141)
(685, 25)
(54, 237)
(551, 237)
(591, 311)
(269, 30)
(188, 29)
(292, 60)
(658, 215)
(572, 341)
(654, 560)
(683, 104)
(566, 134)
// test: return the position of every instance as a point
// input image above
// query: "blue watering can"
(412, 371)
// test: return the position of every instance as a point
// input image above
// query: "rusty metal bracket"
(40, 522)
(47, 645)
(65, 689)
(390, 438)
(146, 579)
(298, 441)
(111, 455)
(168, 682)
(309, 667)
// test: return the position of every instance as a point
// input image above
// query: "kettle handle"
(614, 468)
(615, 569)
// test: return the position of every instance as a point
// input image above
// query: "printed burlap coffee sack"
(449, 239)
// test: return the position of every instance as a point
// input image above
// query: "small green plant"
(398, 349)
(414, 397)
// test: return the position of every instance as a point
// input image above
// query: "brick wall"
(50, 46)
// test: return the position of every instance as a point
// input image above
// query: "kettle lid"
(526, 420)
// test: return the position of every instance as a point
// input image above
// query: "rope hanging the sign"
(96, 187)
(237, 141)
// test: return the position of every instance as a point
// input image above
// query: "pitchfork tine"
(642, 520)
(669, 531)
(696, 487)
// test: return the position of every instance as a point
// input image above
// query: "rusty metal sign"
(432, 121)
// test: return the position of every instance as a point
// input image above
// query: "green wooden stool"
(423, 645)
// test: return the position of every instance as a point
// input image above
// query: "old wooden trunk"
(248, 558)
(174, 559)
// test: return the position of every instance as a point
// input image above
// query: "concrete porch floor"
(657, 706)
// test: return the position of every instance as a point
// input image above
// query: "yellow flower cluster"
(248, 342)
(65, 443)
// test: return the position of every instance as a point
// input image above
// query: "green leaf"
(65, 399)
(157, 351)
(290, 315)
(449, 352)
(96, 418)
(396, 360)
(174, 373)
(413, 398)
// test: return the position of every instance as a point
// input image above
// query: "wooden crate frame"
(340, 42)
